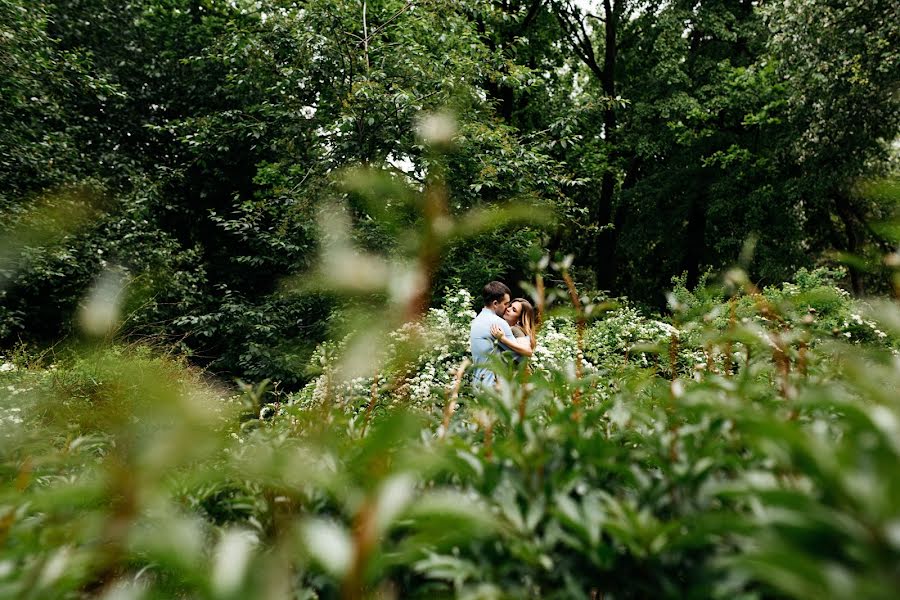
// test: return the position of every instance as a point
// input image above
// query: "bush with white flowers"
(444, 337)
(622, 336)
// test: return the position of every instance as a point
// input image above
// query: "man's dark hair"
(495, 290)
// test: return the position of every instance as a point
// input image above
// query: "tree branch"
(571, 23)
(378, 29)
(530, 16)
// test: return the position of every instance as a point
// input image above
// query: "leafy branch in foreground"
(126, 472)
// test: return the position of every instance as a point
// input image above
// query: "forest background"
(189, 145)
(241, 244)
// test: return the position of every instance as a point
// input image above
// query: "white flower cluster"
(18, 382)
(442, 338)
(458, 308)
(557, 347)
(11, 415)
(856, 323)
(615, 336)
(442, 342)
(625, 327)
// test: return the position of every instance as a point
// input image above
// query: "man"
(496, 298)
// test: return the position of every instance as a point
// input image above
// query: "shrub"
(751, 476)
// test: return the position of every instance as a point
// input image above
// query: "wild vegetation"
(240, 250)
(747, 446)
(198, 140)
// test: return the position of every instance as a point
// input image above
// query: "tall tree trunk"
(845, 213)
(605, 244)
(503, 94)
(497, 91)
(695, 241)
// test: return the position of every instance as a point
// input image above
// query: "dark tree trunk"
(503, 95)
(695, 242)
(605, 244)
(845, 213)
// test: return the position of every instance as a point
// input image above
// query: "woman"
(520, 316)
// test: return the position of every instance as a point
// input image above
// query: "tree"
(227, 129)
(841, 66)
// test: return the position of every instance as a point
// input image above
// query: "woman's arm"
(518, 345)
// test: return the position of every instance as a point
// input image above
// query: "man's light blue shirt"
(483, 347)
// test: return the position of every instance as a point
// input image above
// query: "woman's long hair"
(526, 320)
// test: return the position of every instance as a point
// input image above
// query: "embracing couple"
(503, 325)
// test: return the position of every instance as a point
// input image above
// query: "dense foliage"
(747, 448)
(198, 140)
(239, 243)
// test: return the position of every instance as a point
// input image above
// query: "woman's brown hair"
(526, 318)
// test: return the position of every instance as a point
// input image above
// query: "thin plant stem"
(373, 398)
(450, 407)
(580, 323)
(729, 347)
